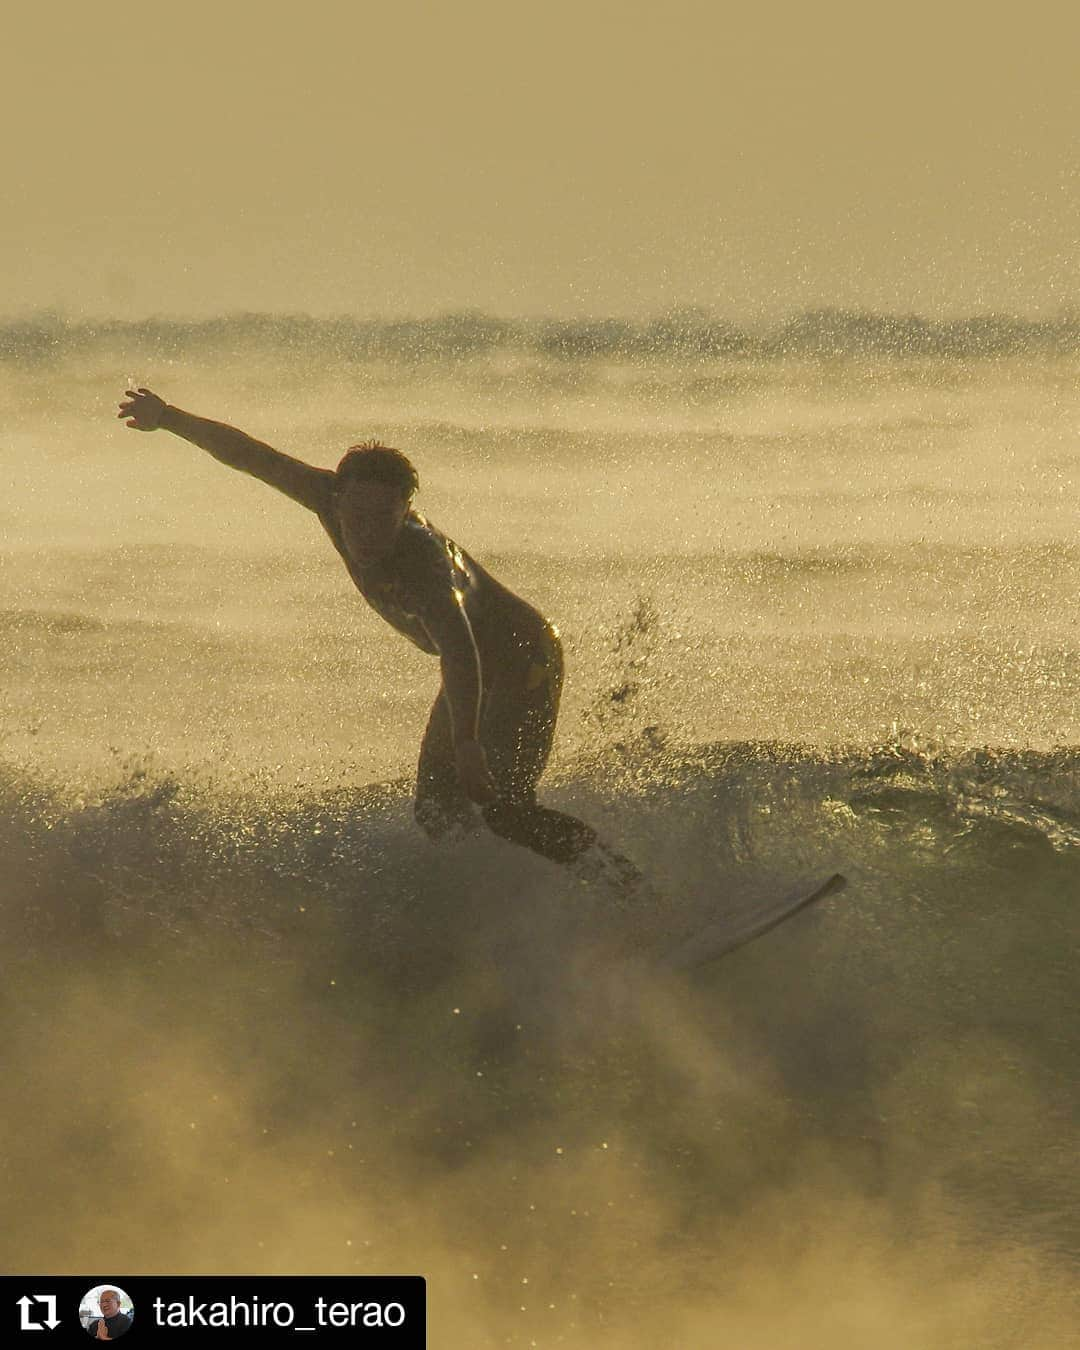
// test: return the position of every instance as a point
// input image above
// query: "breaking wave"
(298, 1002)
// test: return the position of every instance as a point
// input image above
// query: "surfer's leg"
(441, 807)
(565, 839)
(552, 834)
(518, 730)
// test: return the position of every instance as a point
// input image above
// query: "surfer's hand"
(143, 408)
(474, 774)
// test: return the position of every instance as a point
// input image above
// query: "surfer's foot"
(599, 863)
(602, 866)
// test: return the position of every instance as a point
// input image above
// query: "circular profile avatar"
(106, 1312)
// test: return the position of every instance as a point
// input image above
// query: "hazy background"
(564, 158)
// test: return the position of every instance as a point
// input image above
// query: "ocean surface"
(818, 591)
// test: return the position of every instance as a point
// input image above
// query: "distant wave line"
(682, 334)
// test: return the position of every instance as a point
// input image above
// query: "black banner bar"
(381, 1311)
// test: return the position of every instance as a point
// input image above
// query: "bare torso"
(422, 568)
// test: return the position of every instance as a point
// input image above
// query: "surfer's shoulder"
(420, 540)
(427, 556)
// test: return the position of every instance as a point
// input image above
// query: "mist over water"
(818, 603)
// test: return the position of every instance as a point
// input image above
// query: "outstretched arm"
(302, 482)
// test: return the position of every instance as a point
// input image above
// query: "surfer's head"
(375, 463)
(373, 488)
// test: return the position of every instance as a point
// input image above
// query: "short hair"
(372, 462)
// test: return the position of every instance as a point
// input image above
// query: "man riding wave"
(490, 731)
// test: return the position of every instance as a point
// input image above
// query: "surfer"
(490, 732)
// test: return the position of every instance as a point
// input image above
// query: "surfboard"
(744, 922)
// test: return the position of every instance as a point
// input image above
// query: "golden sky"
(523, 158)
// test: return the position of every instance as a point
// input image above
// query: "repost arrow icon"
(52, 1321)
